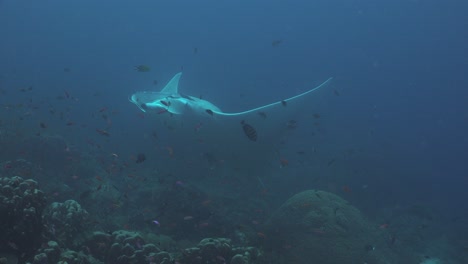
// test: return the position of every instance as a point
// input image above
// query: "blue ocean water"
(391, 131)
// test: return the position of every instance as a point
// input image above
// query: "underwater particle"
(291, 124)
(142, 68)
(103, 132)
(276, 43)
(140, 158)
(249, 131)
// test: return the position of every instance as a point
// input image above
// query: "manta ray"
(197, 120)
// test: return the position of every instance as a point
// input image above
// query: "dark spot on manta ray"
(166, 103)
(284, 103)
(249, 131)
(143, 106)
(209, 112)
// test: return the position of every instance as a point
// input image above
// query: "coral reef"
(52, 253)
(321, 226)
(124, 247)
(21, 206)
(66, 222)
(220, 250)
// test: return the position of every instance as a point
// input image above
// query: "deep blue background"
(400, 68)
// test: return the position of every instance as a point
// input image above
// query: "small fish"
(42, 125)
(198, 126)
(179, 183)
(336, 92)
(276, 43)
(347, 189)
(262, 114)
(99, 187)
(142, 68)
(284, 162)
(316, 116)
(331, 162)
(170, 151)
(195, 50)
(209, 112)
(249, 131)
(383, 226)
(156, 222)
(291, 124)
(188, 217)
(284, 103)
(140, 158)
(103, 132)
(369, 248)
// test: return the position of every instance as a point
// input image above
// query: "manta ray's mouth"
(143, 107)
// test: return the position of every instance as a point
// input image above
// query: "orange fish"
(347, 189)
(383, 226)
(284, 162)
